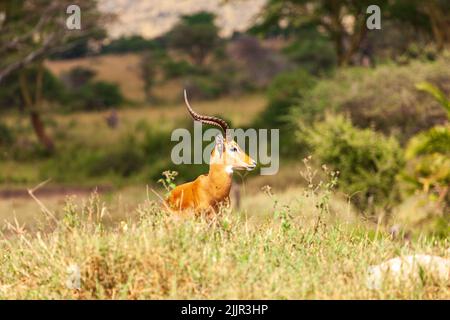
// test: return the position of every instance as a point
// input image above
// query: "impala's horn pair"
(208, 119)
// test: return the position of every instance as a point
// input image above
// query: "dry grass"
(239, 255)
(298, 244)
(123, 70)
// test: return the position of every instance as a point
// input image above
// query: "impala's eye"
(233, 149)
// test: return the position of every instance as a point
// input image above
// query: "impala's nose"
(252, 165)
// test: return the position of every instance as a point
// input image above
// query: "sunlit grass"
(303, 243)
(233, 256)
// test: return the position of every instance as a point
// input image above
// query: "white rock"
(408, 269)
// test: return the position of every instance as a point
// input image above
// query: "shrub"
(368, 161)
(77, 77)
(207, 86)
(52, 89)
(134, 43)
(313, 53)
(256, 63)
(196, 35)
(174, 69)
(76, 164)
(286, 90)
(428, 163)
(384, 98)
(6, 136)
(428, 154)
(141, 153)
(97, 95)
(435, 140)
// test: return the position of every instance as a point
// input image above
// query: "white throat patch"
(229, 169)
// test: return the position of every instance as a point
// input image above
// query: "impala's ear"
(219, 144)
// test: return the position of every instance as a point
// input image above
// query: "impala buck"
(210, 191)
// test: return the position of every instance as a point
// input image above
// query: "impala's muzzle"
(251, 166)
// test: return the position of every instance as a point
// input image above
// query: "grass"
(123, 70)
(299, 244)
(232, 257)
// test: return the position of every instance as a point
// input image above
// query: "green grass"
(283, 251)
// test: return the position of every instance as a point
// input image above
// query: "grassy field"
(276, 246)
(123, 70)
(292, 243)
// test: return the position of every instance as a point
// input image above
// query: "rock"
(409, 269)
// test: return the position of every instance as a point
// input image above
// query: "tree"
(196, 35)
(344, 21)
(432, 16)
(30, 31)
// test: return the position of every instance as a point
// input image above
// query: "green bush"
(53, 89)
(313, 53)
(207, 86)
(428, 163)
(384, 98)
(6, 136)
(174, 69)
(142, 153)
(134, 43)
(428, 154)
(368, 161)
(285, 91)
(435, 140)
(96, 95)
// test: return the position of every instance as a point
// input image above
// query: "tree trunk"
(439, 25)
(39, 130)
(31, 106)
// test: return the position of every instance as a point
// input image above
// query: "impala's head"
(226, 150)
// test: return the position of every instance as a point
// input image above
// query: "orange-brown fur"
(208, 192)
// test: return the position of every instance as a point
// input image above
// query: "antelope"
(210, 191)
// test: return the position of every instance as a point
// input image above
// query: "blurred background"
(94, 108)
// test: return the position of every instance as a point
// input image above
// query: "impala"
(210, 191)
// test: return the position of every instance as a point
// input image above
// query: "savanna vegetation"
(364, 152)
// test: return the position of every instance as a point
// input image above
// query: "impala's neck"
(220, 177)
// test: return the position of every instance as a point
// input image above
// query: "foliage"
(312, 52)
(285, 91)
(97, 95)
(207, 87)
(77, 77)
(437, 94)
(135, 43)
(428, 155)
(129, 157)
(384, 98)
(255, 63)
(6, 136)
(435, 140)
(82, 92)
(53, 89)
(196, 35)
(33, 30)
(174, 69)
(367, 161)
(290, 17)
